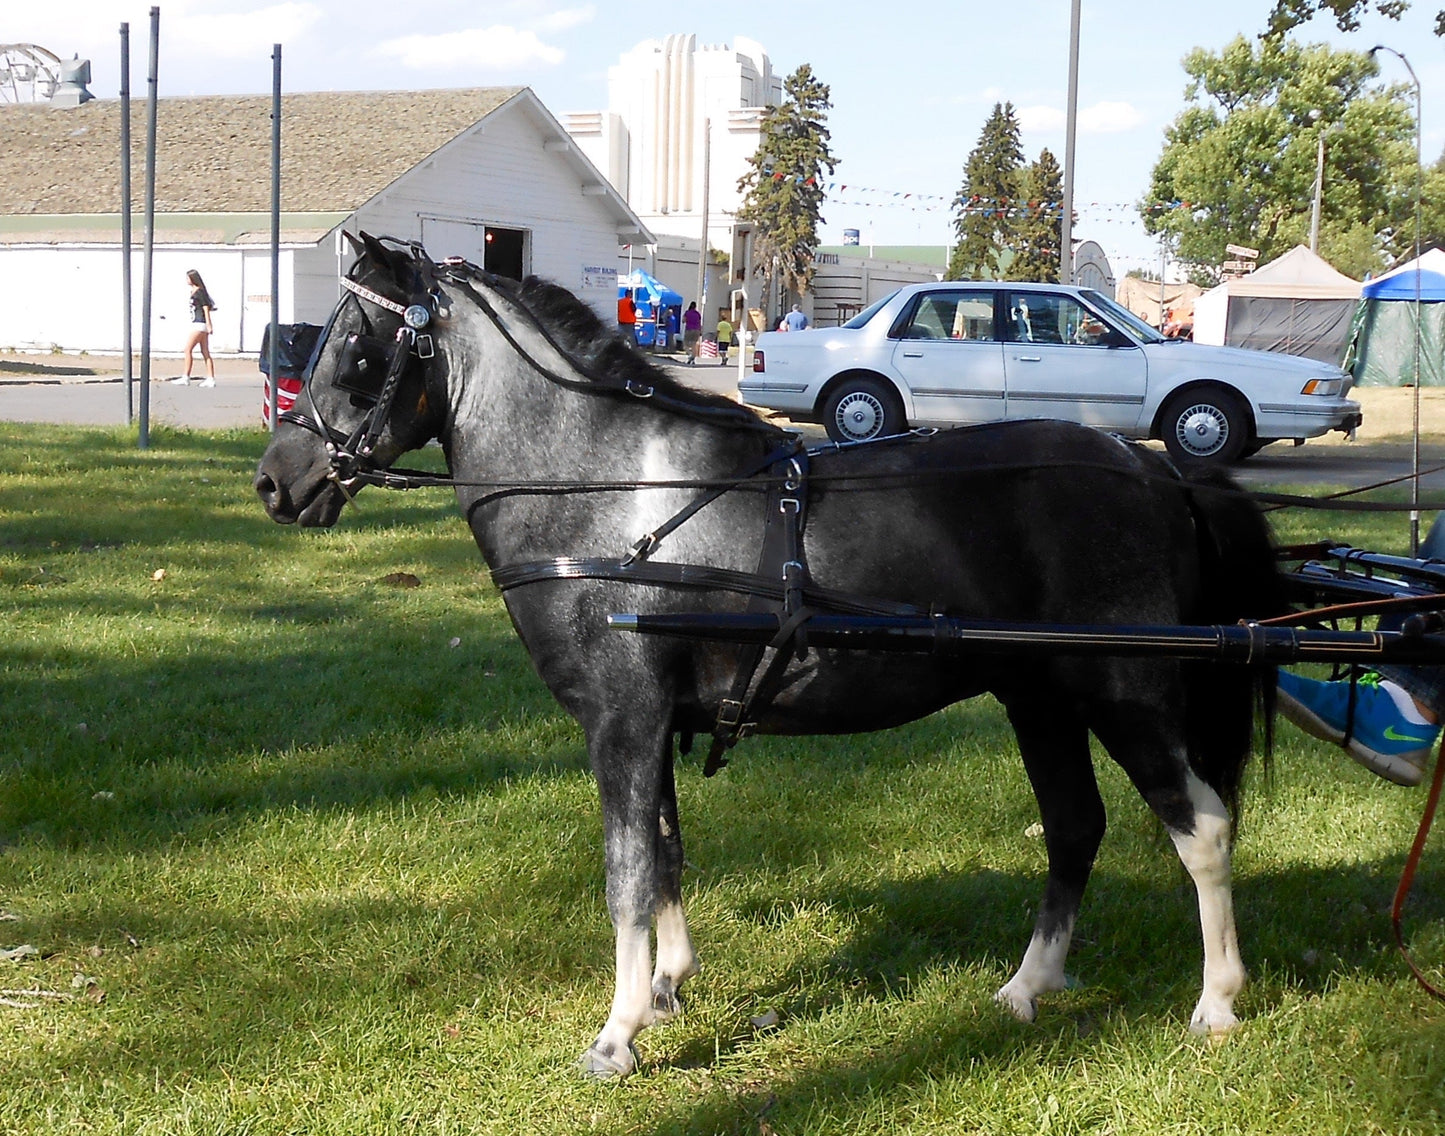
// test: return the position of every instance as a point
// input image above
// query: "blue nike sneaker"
(1383, 739)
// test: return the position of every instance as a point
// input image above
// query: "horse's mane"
(578, 330)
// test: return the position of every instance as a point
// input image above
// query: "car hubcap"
(1202, 430)
(860, 416)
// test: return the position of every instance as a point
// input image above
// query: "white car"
(954, 353)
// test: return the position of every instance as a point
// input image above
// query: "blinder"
(362, 367)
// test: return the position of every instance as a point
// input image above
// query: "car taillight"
(758, 366)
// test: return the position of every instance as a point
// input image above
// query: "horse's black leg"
(1146, 737)
(676, 959)
(627, 761)
(1055, 750)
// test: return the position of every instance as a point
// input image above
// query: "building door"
(494, 247)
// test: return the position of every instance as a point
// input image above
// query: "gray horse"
(593, 484)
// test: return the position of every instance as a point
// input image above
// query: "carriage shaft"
(946, 635)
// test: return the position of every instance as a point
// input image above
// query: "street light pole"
(1319, 188)
(1066, 221)
(1419, 178)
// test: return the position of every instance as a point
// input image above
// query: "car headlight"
(1323, 386)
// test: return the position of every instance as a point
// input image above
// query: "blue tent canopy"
(1401, 284)
(647, 289)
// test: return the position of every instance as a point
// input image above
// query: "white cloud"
(1041, 119)
(1109, 118)
(568, 18)
(241, 35)
(1101, 118)
(499, 48)
(91, 27)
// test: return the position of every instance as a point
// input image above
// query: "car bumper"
(793, 399)
(1292, 420)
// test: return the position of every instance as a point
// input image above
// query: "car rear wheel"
(861, 409)
(1205, 425)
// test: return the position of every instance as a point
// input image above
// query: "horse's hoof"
(666, 1003)
(1020, 1005)
(1217, 1027)
(603, 1066)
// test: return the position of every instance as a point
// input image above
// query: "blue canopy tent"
(656, 303)
(1382, 338)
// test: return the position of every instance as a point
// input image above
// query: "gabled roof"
(339, 149)
(1299, 275)
(213, 153)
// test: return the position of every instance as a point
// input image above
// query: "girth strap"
(781, 558)
(668, 574)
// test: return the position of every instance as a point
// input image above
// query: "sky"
(910, 91)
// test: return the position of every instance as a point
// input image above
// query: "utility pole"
(702, 248)
(1066, 221)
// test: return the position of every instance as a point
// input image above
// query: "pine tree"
(991, 187)
(783, 188)
(1036, 248)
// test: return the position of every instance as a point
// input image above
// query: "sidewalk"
(89, 390)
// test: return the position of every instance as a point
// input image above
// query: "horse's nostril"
(265, 487)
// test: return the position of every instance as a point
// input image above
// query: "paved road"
(61, 391)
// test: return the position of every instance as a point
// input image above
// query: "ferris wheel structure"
(28, 73)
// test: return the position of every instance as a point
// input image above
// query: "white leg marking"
(1041, 971)
(611, 1053)
(676, 960)
(1205, 854)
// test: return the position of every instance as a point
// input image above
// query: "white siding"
(70, 297)
(498, 173)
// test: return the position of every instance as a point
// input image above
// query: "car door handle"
(1028, 358)
(913, 354)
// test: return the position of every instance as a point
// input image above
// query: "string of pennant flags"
(843, 193)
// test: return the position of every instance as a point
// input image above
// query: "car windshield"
(870, 311)
(1123, 315)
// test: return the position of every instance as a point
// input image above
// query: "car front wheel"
(1208, 425)
(862, 409)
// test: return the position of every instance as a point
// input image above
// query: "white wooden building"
(488, 174)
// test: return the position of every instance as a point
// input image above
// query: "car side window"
(952, 315)
(1049, 317)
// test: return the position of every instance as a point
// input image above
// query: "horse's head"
(374, 390)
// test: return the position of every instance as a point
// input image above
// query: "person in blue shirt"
(795, 319)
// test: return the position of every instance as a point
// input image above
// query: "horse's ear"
(357, 246)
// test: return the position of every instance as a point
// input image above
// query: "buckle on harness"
(730, 719)
(642, 548)
(636, 389)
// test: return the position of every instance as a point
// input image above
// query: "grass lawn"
(299, 849)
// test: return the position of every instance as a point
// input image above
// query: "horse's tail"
(1239, 579)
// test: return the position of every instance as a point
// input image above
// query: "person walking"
(201, 308)
(724, 336)
(691, 332)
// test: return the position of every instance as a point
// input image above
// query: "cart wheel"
(1205, 425)
(860, 409)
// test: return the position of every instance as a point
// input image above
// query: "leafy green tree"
(783, 187)
(992, 186)
(1036, 244)
(1238, 165)
(1290, 14)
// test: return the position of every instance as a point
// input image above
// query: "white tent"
(1298, 304)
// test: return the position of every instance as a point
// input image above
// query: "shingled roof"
(213, 154)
